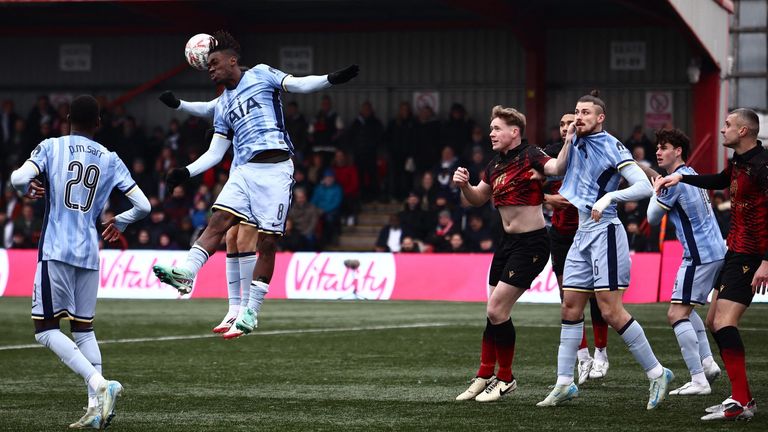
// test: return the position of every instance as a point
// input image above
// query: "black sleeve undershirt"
(708, 181)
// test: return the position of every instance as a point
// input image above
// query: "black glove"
(175, 177)
(169, 99)
(343, 75)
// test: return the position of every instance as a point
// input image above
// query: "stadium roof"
(45, 17)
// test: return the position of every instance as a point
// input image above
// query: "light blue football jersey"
(79, 174)
(593, 168)
(691, 212)
(253, 111)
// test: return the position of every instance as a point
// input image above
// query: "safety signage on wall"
(658, 109)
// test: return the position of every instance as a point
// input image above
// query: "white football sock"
(70, 354)
(233, 283)
(86, 342)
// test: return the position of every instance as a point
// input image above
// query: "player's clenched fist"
(461, 177)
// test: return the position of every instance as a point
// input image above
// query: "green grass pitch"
(346, 366)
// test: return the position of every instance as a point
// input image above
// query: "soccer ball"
(197, 49)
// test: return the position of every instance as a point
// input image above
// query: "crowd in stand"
(341, 163)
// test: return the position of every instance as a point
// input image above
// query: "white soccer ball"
(197, 49)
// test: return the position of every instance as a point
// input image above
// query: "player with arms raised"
(259, 189)
(522, 253)
(78, 176)
(598, 262)
(565, 222)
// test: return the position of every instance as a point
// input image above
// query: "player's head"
(741, 124)
(565, 121)
(224, 58)
(84, 114)
(672, 147)
(507, 128)
(590, 114)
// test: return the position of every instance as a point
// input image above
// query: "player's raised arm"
(313, 83)
(206, 161)
(556, 167)
(197, 109)
(473, 195)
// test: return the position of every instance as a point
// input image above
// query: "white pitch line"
(322, 330)
(260, 333)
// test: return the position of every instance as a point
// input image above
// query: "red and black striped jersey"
(749, 202)
(510, 177)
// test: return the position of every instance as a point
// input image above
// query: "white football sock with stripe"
(86, 342)
(638, 345)
(70, 354)
(570, 338)
(247, 263)
(233, 283)
(196, 257)
(259, 289)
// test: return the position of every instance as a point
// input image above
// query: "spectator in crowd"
(444, 172)
(554, 138)
(186, 233)
(11, 203)
(159, 223)
(722, 210)
(456, 131)
(8, 119)
(315, 169)
(487, 245)
(475, 232)
(325, 130)
(177, 205)
(399, 137)
(305, 216)
(477, 164)
(638, 139)
(638, 242)
(192, 133)
(142, 241)
(28, 226)
(146, 180)
(347, 177)
(630, 210)
(7, 230)
(364, 139)
(456, 243)
(445, 228)
(409, 245)
(154, 144)
(413, 218)
(479, 139)
(638, 154)
(426, 140)
(166, 242)
(298, 129)
(41, 113)
(19, 146)
(221, 179)
(292, 240)
(173, 137)
(427, 190)
(198, 216)
(391, 235)
(300, 180)
(327, 197)
(61, 119)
